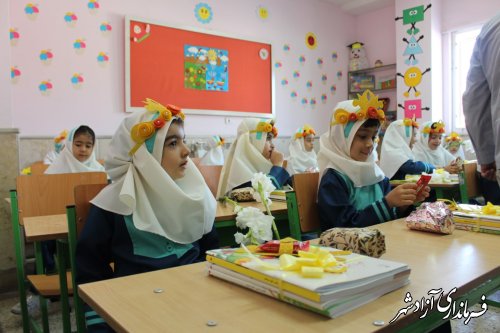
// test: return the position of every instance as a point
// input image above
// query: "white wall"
(5, 86)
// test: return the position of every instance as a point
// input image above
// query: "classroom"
(70, 63)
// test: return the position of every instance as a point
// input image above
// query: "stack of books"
(331, 295)
(469, 217)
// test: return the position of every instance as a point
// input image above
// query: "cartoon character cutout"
(411, 49)
(413, 108)
(412, 16)
(412, 78)
(357, 57)
(140, 31)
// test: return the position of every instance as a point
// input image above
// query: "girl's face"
(268, 146)
(362, 144)
(309, 142)
(175, 152)
(413, 137)
(82, 147)
(434, 141)
(453, 149)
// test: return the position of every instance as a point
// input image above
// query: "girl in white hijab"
(78, 154)
(397, 158)
(157, 213)
(429, 149)
(252, 152)
(215, 154)
(302, 155)
(52, 155)
(453, 143)
(353, 191)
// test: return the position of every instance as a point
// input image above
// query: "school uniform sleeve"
(209, 241)
(336, 210)
(279, 176)
(411, 167)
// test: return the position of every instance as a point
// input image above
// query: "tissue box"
(433, 217)
(370, 242)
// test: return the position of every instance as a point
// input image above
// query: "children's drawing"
(411, 49)
(203, 13)
(140, 31)
(311, 40)
(412, 78)
(206, 68)
(412, 16)
(413, 108)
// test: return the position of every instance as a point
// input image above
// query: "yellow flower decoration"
(304, 131)
(144, 130)
(410, 122)
(61, 136)
(434, 128)
(266, 127)
(370, 108)
(453, 137)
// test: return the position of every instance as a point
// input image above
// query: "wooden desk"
(190, 299)
(48, 227)
(441, 187)
(225, 212)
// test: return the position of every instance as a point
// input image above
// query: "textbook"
(335, 307)
(278, 195)
(362, 277)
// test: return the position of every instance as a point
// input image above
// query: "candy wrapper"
(423, 182)
(286, 245)
(367, 241)
(433, 217)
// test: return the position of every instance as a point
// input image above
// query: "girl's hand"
(277, 158)
(452, 168)
(402, 195)
(424, 193)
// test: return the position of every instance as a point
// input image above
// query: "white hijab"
(300, 159)
(215, 154)
(66, 162)
(245, 156)
(334, 152)
(439, 157)
(396, 147)
(182, 210)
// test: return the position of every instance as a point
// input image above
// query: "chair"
(77, 216)
(38, 168)
(470, 174)
(211, 174)
(302, 205)
(38, 196)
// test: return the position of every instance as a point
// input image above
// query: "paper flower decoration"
(203, 13)
(311, 41)
(410, 122)
(453, 137)
(284, 82)
(262, 13)
(45, 86)
(319, 62)
(46, 56)
(14, 72)
(304, 131)
(79, 44)
(293, 94)
(296, 74)
(286, 47)
(302, 59)
(309, 84)
(333, 89)
(76, 80)
(339, 75)
(31, 11)
(102, 57)
(105, 27)
(324, 78)
(304, 101)
(70, 18)
(13, 34)
(434, 128)
(324, 98)
(369, 108)
(266, 127)
(334, 56)
(93, 5)
(313, 101)
(142, 131)
(278, 64)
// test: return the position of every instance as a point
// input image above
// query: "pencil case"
(367, 241)
(242, 194)
(433, 217)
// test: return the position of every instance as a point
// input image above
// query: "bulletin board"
(201, 72)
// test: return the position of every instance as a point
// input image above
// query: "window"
(462, 45)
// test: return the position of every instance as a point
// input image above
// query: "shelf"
(372, 90)
(374, 69)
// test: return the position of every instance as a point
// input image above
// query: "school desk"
(186, 299)
(441, 188)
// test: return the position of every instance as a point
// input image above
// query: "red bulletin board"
(154, 68)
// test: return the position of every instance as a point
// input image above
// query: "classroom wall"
(5, 85)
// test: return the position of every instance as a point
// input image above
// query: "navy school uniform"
(279, 176)
(411, 167)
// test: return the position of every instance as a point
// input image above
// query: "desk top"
(396, 183)
(226, 211)
(48, 227)
(191, 298)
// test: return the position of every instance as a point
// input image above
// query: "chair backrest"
(38, 168)
(83, 194)
(211, 174)
(305, 186)
(470, 173)
(40, 195)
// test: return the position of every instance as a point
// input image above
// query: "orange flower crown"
(453, 137)
(267, 127)
(304, 131)
(144, 130)
(410, 122)
(370, 108)
(220, 140)
(61, 136)
(435, 128)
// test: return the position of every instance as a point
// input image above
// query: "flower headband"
(435, 128)
(304, 131)
(410, 122)
(61, 136)
(145, 130)
(453, 137)
(220, 141)
(263, 126)
(370, 108)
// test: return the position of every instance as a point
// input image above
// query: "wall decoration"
(333, 89)
(309, 84)
(411, 49)
(93, 6)
(284, 82)
(304, 101)
(140, 31)
(334, 56)
(311, 40)
(262, 13)
(77, 80)
(155, 68)
(412, 78)
(263, 53)
(412, 16)
(296, 74)
(79, 45)
(312, 102)
(324, 78)
(102, 58)
(14, 36)
(15, 73)
(286, 47)
(105, 28)
(203, 13)
(319, 61)
(324, 98)
(302, 59)
(293, 94)
(339, 75)
(206, 68)
(357, 57)
(70, 18)
(413, 108)
(278, 64)
(31, 11)
(46, 57)
(45, 87)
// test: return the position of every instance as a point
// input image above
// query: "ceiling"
(360, 7)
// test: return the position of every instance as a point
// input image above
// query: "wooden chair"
(38, 196)
(38, 168)
(302, 205)
(77, 216)
(211, 174)
(471, 181)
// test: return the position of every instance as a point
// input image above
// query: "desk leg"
(62, 250)
(463, 188)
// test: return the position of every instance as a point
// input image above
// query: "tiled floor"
(9, 323)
